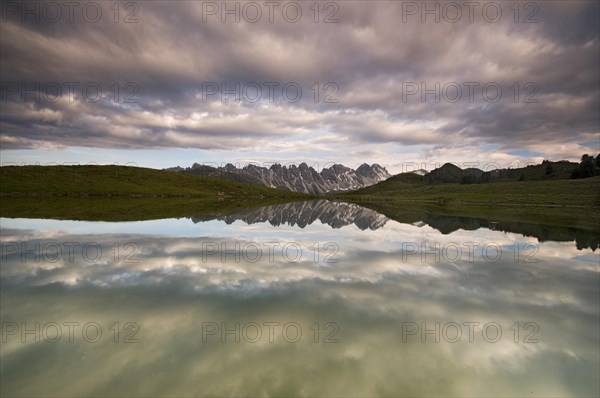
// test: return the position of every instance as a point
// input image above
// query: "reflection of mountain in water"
(339, 214)
(334, 214)
(448, 224)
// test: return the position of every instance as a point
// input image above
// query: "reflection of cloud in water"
(372, 289)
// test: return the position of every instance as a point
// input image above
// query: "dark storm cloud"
(370, 55)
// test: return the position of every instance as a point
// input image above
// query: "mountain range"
(340, 179)
(450, 173)
(301, 178)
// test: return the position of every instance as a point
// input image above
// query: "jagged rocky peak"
(301, 178)
(340, 168)
(378, 169)
(373, 171)
(251, 167)
(229, 167)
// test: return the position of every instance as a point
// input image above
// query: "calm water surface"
(316, 298)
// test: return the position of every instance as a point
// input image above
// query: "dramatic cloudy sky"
(370, 60)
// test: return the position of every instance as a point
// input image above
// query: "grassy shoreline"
(122, 209)
(578, 217)
(125, 181)
(565, 203)
(121, 193)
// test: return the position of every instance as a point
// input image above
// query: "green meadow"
(120, 193)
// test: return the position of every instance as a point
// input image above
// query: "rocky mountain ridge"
(301, 178)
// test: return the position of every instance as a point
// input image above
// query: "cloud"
(363, 66)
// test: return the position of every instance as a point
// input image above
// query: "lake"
(304, 299)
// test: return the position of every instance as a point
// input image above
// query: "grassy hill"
(125, 181)
(573, 203)
(120, 193)
(450, 173)
(581, 192)
(545, 171)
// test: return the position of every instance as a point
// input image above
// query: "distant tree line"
(588, 167)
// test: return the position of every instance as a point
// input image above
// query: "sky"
(399, 83)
